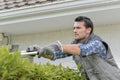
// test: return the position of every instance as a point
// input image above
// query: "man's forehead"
(77, 24)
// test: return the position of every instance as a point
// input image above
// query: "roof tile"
(8, 4)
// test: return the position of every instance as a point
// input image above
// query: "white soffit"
(58, 16)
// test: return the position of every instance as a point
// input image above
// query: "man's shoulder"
(95, 37)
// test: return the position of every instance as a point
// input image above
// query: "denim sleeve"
(93, 47)
(58, 55)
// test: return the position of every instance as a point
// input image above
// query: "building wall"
(110, 33)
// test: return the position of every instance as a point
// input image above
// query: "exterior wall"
(110, 33)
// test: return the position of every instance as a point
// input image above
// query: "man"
(87, 49)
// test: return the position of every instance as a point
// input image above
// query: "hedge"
(13, 67)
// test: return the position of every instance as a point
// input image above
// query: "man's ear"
(89, 30)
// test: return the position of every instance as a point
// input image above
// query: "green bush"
(13, 67)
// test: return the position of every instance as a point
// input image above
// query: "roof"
(9, 4)
(58, 15)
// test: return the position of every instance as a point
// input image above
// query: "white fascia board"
(56, 9)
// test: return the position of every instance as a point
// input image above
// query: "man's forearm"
(71, 48)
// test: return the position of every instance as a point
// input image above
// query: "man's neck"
(84, 39)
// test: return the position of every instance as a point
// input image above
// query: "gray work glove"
(50, 50)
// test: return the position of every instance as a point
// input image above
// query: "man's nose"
(74, 30)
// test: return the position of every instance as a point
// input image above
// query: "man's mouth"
(75, 34)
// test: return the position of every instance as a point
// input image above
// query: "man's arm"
(93, 47)
(57, 50)
(71, 49)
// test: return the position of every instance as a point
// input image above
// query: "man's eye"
(77, 27)
(73, 28)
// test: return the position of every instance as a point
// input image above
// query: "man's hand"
(50, 50)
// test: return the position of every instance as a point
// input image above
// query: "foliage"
(13, 67)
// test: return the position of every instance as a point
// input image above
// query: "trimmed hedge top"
(13, 67)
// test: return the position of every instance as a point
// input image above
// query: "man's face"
(80, 31)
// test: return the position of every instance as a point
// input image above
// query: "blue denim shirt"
(92, 47)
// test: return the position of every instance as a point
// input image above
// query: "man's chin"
(79, 39)
(76, 38)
